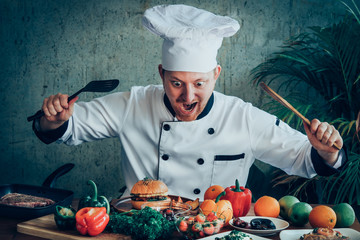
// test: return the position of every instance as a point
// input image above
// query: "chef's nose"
(188, 93)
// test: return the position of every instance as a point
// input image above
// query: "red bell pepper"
(91, 220)
(239, 197)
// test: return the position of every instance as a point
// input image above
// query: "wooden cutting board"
(45, 227)
(124, 204)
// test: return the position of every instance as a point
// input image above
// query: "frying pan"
(60, 196)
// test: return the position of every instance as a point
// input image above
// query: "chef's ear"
(217, 71)
(161, 71)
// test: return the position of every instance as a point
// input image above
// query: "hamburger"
(148, 190)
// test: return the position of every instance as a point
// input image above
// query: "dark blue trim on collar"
(206, 110)
(168, 105)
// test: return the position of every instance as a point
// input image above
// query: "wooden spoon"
(285, 103)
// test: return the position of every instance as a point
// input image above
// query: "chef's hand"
(57, 110)
(322, 137)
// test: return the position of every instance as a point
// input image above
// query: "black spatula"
(93, 86)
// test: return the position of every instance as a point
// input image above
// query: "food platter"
(279, 224)
(124, 204)
(212, 237)
(296, 234)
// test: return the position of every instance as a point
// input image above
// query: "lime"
(299, 213)
(286, 202)
(345, 215)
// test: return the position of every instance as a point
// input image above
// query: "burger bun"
(138, 204)
(149, 191)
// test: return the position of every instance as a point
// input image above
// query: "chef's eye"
(200, 84)
(176, 84)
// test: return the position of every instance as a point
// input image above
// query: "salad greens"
(235, 235)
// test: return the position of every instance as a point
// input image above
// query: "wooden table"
(46, 224)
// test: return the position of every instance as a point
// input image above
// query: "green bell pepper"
(94, 200)
(65, 217)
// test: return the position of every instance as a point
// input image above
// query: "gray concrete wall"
(58, 46)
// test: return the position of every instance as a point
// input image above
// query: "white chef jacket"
(189, 156)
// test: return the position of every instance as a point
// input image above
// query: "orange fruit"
(208, 206)
(322, 217)
(267, 206)
(213, 191)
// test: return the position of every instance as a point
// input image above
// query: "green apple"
(286, 202)
(345, 215)
(299, 213)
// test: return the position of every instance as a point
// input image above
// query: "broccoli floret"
(143, 224)
(151, 225)
(119, 223)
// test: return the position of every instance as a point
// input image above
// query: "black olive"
(262, 224)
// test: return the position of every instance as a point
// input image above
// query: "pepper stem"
(219, 196)
(237, 186)
(107, 204)
(94, 197)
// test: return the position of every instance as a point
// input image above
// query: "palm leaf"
(341, 185)
(355, 14)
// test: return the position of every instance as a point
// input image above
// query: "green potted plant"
(322, 64)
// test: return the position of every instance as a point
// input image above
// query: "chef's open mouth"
(189, 107)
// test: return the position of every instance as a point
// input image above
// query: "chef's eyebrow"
(172, 78)
(175, 78)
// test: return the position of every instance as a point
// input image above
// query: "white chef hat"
(191, 36)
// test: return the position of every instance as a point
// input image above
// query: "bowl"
(169, 209)
(279, 226)
(198, 226)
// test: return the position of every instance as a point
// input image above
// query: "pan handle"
(51, 180)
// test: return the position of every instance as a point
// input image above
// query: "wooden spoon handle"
(285, 103)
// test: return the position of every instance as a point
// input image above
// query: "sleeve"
(276, 143)
(101, 118)
(49, 136)
(324, 169)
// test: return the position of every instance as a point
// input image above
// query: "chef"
(183, 132)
